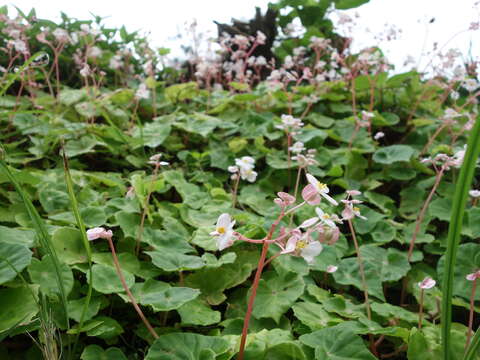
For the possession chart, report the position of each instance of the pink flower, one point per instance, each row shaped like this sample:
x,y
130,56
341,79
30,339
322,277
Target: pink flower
x,y
473,276
310,195
427,283
99,233
284,199
332,268
321,188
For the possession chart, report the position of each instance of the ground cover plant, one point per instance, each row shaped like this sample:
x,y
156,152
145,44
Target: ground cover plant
x,y
309,206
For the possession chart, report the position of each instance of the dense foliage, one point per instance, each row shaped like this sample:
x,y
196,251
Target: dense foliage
x,y
83,115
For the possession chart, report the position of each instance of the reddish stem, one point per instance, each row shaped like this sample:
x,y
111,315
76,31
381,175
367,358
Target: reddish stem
x,y
258,274
361,270
127,290
422,212
470,316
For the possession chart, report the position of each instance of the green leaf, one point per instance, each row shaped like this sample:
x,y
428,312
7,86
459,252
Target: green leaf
x,y
81,146
393,153
13,259
24,237
276,294
18,306
187,346
95,352
106,281
172,261
275,344
152,134
68,246
314,315
105,327
469,254
191,194
380,265
161,296
337,344
197,312
42,271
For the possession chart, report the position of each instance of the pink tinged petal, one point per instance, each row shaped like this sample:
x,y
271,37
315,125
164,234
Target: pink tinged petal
x,y
332,268
225,240
309,222
287,198
95,233
311,250
279,202
311,179
329,198
348,213
224,221
353,192
471,277
427,283
291,245
310,195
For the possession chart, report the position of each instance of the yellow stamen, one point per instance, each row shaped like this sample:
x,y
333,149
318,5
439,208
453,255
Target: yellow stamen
x,y
356,209
326,216
322,186
301,244
221,230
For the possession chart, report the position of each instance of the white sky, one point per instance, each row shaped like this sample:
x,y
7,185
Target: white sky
x,y
163,19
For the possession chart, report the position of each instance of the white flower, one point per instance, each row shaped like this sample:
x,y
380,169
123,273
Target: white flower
x,y
261,61
94,52
61,35
321,188
310,250
470,84
85,71
325,218
116,62
261,38
224,231
245,162
474,193
379,135
20,46
248,174
233,169
426,283
155,160
297,147
289,123
99,233
142,92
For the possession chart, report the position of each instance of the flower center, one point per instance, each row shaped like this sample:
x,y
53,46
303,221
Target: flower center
x,y
221,230
322,186
325,216
356,209
301,244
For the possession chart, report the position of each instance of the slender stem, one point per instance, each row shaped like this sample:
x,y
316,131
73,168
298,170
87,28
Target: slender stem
x,y
127,290
297,183
256,280
422,212
420,311
295,207
470,316
432,138
145,209
235,189
361,269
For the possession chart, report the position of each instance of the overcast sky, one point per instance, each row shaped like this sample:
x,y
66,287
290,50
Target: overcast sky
x,y
163,19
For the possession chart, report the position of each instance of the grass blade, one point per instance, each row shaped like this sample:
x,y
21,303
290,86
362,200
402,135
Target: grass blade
x,y
20,71
473,348
86,243
42,234
456,219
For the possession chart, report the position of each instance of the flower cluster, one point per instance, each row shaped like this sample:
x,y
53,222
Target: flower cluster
x,y
244,168
305,240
